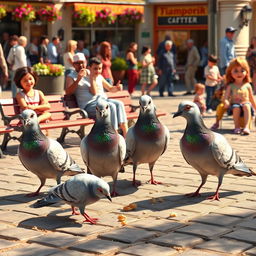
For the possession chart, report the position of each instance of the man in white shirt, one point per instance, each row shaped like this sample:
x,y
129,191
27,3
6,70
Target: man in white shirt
x,y
17,58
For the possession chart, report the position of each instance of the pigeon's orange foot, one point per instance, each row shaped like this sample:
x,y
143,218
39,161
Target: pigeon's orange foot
x,y
214,197
154,182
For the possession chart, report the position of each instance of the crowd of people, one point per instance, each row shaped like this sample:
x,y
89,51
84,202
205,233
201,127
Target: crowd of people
x,y
88,73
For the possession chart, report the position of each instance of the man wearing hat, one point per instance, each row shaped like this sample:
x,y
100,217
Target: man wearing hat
x,y
227,49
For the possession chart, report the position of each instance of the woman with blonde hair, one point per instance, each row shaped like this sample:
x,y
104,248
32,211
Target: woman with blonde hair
x,y
68,56
105,55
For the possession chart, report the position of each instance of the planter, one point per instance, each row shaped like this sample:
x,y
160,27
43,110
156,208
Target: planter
x,y
118,75
50,85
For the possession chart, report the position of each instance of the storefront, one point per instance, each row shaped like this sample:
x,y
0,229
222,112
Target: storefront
x,y
118,33
181,22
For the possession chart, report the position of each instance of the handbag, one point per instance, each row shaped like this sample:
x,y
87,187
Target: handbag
x,y
175,77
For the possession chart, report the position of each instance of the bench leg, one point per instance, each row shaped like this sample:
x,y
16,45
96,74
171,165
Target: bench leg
x,y
63,134
6,139
1,153
80,132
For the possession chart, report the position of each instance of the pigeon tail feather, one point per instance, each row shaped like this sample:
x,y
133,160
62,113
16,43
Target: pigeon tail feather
x,y
49,200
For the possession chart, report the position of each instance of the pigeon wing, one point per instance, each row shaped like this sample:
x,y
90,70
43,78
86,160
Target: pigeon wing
x,y
130,143
60,159
84,151
167,138
122,148
225,155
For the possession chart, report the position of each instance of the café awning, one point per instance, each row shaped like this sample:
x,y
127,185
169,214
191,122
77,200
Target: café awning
x,y
115,8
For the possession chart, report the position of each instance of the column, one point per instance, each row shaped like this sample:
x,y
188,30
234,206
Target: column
x,y
229,15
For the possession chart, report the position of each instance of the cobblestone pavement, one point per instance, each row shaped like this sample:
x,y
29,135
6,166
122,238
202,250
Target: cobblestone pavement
x,y
165,222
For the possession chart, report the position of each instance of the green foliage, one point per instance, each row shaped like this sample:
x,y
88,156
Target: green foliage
x,y
84,16
119,64
49,69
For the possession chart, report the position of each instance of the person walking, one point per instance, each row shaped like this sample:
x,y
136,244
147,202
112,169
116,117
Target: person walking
x,y
227,49
166,70
42,50
148,74
105,55
17,58
193,60
52,47
4,69
132,71
68,56
251,58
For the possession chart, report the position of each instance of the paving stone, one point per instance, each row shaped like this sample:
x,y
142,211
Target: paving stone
x,y
19,233
14,217
99,246
200,253
250,224
57,239
48,223
70,253
32,250
203,230
252,251
225,245
149,250
235,211
177,239
218,219
128,235
7,244
157,224
243,235
246,204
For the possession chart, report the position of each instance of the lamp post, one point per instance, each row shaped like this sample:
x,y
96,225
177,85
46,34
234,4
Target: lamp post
x,y
246,15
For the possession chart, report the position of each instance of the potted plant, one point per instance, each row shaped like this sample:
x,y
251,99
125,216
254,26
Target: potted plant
x,y
49,13
24,12
84,16
50,78
130,16
105,17
118,68
2,11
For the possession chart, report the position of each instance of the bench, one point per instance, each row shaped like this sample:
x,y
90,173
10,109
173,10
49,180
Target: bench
x,y
65,114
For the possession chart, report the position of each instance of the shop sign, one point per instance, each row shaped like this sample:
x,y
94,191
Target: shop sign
x,y
182,15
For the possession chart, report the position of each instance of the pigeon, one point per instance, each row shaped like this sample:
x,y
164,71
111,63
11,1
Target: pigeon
x,y
147,140
207,151
41,155
103,149
79,191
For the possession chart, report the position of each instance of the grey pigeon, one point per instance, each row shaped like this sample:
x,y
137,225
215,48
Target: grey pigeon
x,y
43,156
78,191
208,152
147,140
103,149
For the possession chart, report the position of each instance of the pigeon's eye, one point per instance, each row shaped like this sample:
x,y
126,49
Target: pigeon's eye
x,y
32,116
106,107
187,107
149,102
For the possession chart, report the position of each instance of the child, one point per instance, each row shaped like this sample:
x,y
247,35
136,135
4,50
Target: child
x,y
240,93
28,97
213,77
148,74
199,97
98,84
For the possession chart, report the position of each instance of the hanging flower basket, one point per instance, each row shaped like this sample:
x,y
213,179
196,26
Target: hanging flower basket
x,y
105,17
84,16
49,13
3,12
130,16
24,12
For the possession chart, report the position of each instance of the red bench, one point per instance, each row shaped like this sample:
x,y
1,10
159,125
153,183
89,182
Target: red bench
x,y
65,115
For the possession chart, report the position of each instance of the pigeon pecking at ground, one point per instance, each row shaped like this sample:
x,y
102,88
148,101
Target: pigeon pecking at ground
x,y
43,156
208,152
103,149
147,140
78,191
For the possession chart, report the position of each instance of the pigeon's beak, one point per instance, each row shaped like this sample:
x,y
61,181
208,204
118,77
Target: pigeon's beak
x,y
177,114
109,198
